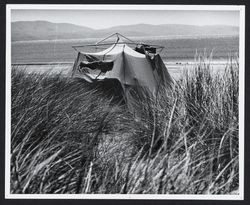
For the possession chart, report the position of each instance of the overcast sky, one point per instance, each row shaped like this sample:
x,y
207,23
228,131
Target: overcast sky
x,y
99,19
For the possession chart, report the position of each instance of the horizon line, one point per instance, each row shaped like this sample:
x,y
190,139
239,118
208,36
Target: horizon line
x,y
126,24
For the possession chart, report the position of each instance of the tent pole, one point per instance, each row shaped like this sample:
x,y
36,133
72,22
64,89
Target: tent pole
x,y
127,38
74,48
117,34
106,38
105,44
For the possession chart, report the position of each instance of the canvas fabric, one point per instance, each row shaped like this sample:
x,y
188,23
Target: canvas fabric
x,y
129,67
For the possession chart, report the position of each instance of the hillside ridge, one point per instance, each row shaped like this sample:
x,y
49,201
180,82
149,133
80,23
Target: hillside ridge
x,y
44,30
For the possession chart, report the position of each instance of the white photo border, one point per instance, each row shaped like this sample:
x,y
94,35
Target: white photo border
x,y
240,8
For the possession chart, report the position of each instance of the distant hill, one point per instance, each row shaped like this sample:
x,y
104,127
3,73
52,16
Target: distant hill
x,y
173,29
43,30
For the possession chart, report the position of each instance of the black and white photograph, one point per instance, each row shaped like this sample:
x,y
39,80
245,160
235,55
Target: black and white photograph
x,y
125,101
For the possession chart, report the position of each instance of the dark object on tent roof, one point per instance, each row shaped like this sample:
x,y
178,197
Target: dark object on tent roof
x,y
143,48
140,67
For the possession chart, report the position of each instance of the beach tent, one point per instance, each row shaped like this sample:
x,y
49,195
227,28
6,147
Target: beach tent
x,y
132,67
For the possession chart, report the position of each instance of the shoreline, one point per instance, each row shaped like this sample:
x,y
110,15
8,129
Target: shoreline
x,y
167,63
169,37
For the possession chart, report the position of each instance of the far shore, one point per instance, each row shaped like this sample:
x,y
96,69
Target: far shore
x,y
138,38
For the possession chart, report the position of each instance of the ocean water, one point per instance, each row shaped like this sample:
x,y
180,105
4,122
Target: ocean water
x,y
181,49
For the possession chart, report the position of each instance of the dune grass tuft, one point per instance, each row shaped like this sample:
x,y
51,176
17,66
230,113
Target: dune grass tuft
x,y
68,136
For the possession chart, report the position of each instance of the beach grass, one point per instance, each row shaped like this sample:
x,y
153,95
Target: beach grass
x,y
68,136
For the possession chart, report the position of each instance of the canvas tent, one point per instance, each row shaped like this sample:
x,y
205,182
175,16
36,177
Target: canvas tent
x,y
121,62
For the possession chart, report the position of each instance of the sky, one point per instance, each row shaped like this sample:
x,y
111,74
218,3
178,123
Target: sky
x,y
99,19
